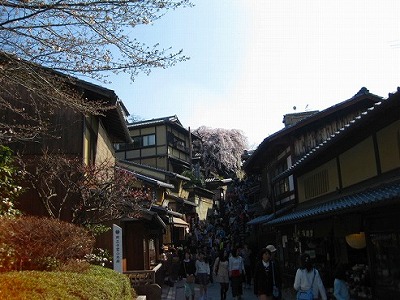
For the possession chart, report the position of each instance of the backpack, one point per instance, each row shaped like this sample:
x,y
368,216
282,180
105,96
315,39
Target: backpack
x,y
305,295
308,294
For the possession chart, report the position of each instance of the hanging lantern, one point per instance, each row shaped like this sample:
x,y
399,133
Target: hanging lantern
x,y
356,240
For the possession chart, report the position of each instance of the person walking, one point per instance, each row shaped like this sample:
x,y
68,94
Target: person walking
x,y
276,276
340,288
308,280
188,269
264,276
245,253
221,272
202,275
236,271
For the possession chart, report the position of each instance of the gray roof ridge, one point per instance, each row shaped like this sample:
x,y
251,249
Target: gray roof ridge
x,y
172,174
332,138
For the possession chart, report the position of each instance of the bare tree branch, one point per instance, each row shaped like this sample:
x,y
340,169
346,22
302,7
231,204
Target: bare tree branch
x,y
83,194
79,38
96,29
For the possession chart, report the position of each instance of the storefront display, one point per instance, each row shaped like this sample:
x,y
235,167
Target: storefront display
x,y
359,282
386,264
368,246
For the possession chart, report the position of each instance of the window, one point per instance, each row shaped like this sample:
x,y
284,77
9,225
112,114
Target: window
x,y
123,147
152,253
281,187
176,142
280,168
144,141
180,144
316,185
137,142
149,140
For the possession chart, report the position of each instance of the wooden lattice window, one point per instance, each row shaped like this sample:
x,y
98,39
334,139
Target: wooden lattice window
x,y
317,184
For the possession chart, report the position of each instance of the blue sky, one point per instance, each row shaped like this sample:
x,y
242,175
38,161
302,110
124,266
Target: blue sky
x,y
253,61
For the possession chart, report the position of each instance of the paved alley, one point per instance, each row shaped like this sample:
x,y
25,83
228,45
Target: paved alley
x,y
177,293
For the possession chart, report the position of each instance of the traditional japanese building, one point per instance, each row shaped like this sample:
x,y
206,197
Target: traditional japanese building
x,y
344,199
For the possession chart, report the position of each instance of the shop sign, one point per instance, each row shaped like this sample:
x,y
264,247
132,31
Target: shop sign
x,y
117,248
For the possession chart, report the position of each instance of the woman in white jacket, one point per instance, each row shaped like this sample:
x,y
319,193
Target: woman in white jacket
x,y
202,275
236,271
307,277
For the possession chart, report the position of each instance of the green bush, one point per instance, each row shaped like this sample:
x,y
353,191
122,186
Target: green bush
x,y
33,243
95,283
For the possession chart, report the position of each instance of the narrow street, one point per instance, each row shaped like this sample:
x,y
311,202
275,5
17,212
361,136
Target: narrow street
x,y
177,293
213,293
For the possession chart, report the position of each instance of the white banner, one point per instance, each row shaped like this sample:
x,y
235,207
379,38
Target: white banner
x,y
117,248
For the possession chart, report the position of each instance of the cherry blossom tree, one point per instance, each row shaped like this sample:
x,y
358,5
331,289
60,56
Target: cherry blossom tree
x,y
42,39
85,37
221,150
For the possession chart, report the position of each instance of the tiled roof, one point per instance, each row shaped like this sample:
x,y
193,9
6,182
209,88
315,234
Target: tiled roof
x,y
170,119
269,217
148,179
164,210
179,199
167,173
362,95
151,180
225,180
145,214
363,200
261,219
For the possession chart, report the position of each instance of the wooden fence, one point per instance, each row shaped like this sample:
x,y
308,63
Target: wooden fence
x,y
143,277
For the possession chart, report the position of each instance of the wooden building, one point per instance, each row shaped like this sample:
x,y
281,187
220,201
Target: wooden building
x,y
90,139
348,193
281,150
162,143
171,201
333,189
87,138
162,149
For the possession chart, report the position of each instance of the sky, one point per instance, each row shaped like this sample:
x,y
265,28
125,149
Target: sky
x,y
252,62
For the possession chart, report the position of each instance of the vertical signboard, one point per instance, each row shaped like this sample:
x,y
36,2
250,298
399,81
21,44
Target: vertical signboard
x,y
117,248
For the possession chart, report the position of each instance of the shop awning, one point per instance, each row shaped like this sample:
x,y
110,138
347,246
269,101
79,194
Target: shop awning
x,y
364,200
174,213
178,222
261,219
164,210
148,216
266,218
180,200
190,203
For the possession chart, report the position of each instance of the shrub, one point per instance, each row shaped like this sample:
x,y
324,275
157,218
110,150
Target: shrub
x,y
95,283
99,257
33,243
74,265
9,189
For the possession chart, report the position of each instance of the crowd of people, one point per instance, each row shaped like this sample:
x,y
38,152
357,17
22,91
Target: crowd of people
x,y
215,251
228,269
